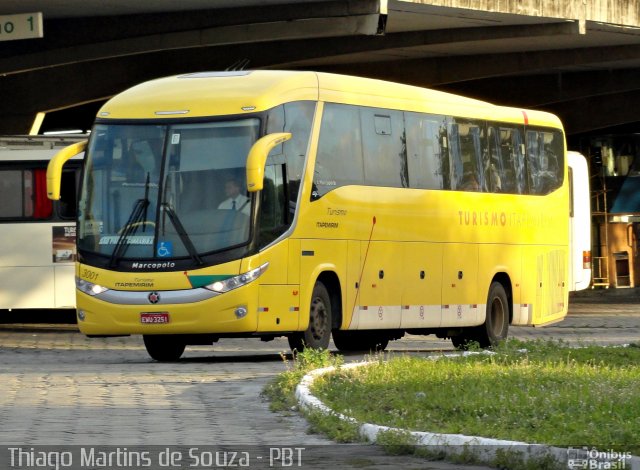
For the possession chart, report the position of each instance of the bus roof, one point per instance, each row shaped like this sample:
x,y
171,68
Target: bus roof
x,y
230,93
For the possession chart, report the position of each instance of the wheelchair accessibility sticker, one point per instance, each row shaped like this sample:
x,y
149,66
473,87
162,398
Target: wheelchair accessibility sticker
x,y
165,249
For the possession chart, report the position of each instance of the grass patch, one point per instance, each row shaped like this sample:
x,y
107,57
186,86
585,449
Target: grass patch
x,y
281,393
537,392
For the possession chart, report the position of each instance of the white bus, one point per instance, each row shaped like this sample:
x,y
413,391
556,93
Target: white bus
x,y
38,235
580,223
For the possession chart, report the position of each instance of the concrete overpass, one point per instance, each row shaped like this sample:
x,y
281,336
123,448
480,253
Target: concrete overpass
x,y
577,58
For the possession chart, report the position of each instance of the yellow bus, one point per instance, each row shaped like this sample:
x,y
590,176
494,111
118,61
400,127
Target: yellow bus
x,y
303,204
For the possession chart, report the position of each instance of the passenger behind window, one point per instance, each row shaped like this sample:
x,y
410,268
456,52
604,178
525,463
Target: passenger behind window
x,y
469,179
495,180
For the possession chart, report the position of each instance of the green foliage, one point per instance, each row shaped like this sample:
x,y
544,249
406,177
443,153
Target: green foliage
x,y
532,391
536,392
337,429
509,459
281,391
397,442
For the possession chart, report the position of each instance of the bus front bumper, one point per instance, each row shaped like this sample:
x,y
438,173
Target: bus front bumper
x,y
161,312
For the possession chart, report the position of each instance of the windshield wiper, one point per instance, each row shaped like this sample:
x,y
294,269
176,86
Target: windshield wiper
x,y
184,236
138,216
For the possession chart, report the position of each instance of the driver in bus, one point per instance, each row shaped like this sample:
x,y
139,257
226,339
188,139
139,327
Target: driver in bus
x,y
235,200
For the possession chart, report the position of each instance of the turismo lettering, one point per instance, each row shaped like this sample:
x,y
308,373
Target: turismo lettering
x,y
482,218
503,219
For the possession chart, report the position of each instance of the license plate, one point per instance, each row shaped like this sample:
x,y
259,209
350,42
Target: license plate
x,y
155,317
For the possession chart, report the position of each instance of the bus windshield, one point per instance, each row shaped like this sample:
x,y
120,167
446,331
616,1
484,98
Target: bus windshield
x,y
166,191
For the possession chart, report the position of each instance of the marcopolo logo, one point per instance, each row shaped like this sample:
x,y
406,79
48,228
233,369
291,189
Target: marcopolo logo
x,y
165,265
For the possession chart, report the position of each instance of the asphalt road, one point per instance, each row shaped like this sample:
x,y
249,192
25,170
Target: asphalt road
x,y
60,389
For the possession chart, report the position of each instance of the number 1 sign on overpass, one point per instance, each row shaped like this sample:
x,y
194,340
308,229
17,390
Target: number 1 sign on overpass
x,y
23,26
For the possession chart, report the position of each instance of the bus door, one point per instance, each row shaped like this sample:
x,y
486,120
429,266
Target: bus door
x,y
422,286
460,286
351,311
381,286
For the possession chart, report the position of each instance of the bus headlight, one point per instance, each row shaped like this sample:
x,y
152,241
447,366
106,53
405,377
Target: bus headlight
x,y
237,281
89,287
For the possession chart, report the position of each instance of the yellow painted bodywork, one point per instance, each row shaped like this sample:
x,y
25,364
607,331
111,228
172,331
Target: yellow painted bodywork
x,y
54,169
257,159
402,257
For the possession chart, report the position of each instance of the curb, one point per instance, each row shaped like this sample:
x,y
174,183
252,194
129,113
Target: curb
x,y
486,450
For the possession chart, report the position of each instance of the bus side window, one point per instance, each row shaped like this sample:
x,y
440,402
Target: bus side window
x,y
467,161
511,160
518,161
553,146
477,148
275,123
339,156
497,178
296,118
426,150
273,214
384,149
24,194
533,162
454,170
68,204
16,194
545,160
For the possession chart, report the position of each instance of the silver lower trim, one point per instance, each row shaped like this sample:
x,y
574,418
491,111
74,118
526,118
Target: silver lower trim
x,y
186,296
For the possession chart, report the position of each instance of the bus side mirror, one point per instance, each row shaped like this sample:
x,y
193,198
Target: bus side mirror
x,y
54,169
257,159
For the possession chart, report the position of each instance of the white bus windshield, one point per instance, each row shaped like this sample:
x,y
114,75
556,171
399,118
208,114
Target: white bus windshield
x,y
166,191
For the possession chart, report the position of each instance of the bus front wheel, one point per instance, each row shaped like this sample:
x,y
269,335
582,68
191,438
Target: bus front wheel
x,y
163,348
318,333
496,325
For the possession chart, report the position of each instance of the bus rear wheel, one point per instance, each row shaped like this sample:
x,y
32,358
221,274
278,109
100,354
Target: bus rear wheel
x,y
496,325
463,340
318,333
164,348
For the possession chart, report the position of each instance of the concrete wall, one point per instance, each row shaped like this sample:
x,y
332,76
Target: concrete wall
x,y
621,12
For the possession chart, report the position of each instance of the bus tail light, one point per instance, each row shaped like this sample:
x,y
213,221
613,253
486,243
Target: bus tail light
x,y
586,260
